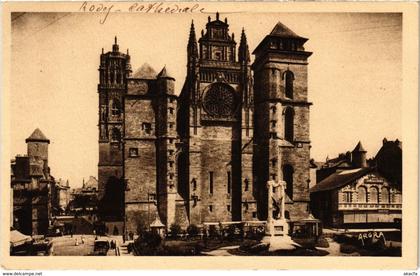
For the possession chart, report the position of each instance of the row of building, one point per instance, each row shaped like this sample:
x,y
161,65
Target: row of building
x,y
205,156
351,191
37,197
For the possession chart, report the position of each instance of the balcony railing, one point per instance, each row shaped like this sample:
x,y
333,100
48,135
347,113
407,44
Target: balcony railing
x,y
368,206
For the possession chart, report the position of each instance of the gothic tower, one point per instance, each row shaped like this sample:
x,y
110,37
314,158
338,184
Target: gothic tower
x,y
214,126
281,119
113,71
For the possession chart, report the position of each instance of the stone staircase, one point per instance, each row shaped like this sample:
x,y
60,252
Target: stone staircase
x,y
123,250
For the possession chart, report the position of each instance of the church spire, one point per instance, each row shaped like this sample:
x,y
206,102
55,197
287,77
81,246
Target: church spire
x,y
115,47
243,51
192,48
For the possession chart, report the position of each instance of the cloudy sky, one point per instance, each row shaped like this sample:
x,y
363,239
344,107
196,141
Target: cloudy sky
x,y
355,75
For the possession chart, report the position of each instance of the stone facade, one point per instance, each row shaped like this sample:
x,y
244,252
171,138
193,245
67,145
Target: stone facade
x,y
215,127
32,187
282,145
114,70
62,192
198,158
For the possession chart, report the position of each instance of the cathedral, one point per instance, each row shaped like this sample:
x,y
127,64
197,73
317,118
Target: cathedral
x,y
206,154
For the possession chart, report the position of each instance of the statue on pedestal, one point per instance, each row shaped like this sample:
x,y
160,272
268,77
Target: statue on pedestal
x,y
277,228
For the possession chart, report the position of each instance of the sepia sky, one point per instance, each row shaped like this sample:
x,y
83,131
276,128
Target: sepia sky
x,y
355,75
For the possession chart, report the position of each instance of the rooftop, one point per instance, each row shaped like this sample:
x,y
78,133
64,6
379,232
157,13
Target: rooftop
x,y
359,148
282,30
339,179
37,135
145,72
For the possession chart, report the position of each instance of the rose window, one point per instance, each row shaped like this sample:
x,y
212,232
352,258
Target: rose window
x,y
219,101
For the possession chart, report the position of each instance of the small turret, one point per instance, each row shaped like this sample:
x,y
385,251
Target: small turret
x,y
166,82
243,51
192,48
37,145
359,156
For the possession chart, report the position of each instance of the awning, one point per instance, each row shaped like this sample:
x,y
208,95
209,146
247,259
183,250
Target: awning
x,y
17,238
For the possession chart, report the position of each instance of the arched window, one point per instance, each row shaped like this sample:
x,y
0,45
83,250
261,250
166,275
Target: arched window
x,y
384,195
116,108
288,124
273,109
288,84
397,198
288,177
115,135
373,195
361,194
118,77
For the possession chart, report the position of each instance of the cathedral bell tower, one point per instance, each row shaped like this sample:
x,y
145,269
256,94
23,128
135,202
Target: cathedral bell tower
x,y
281,121
114,69
214,124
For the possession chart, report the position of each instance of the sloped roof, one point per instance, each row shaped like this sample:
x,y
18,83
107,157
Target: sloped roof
x,y
339,179
282,30
145,72
37,135
359,148
92,182
164,73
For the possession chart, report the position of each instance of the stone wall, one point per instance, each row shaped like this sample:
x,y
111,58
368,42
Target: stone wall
x,y
270,124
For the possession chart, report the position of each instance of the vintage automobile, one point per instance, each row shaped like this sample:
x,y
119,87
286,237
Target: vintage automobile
x,y
41,246
101,247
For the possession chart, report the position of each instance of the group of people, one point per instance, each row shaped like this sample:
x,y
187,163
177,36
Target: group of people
x,y
82,241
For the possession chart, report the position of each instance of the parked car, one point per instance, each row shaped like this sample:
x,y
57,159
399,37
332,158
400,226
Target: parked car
x,y
101,247
41,245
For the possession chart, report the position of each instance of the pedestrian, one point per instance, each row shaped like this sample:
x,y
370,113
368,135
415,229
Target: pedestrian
x,y
83,240
76,243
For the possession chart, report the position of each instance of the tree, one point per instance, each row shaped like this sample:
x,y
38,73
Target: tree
x,y
175,230
192,230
